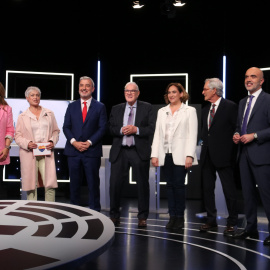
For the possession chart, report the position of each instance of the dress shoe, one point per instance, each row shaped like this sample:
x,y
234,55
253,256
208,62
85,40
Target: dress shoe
x,y
116,221
142,223
230,231
244,234
208,226
266,242
170,224
179,223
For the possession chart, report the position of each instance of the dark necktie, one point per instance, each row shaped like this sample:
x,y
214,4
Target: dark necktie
x,y
84,112
129,139
212,114
245,121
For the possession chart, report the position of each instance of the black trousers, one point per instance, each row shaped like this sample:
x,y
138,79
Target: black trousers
x,y
226,176
128,157
252,175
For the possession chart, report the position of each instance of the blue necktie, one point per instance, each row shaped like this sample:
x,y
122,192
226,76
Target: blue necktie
x,y
244,124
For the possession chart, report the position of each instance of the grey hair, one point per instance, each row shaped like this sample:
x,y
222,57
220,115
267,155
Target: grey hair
x,y
30,89
216,83
132,83
87,78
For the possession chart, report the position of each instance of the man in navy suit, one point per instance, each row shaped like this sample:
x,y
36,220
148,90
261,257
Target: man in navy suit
x,y
84,127
132,126
253,136
218,154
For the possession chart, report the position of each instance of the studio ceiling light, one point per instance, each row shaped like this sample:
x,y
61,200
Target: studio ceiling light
x,y
178,3
137,4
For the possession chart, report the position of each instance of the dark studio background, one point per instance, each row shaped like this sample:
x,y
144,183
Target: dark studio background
x,y
70,36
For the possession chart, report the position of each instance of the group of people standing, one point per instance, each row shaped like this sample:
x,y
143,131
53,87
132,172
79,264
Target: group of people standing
x,y
170,141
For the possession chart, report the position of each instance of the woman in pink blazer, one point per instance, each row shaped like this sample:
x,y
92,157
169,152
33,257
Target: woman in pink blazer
x,y
37,125
6,131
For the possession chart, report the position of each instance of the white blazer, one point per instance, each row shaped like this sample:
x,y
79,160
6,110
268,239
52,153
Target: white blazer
x,y
184,135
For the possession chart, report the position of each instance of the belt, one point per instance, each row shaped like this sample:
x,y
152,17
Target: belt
x,y
128,147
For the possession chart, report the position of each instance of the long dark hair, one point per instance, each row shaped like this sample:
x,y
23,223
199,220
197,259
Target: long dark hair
x,y
2,96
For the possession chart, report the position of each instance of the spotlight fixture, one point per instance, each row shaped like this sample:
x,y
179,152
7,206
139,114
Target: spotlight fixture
x,y
178,3
137,4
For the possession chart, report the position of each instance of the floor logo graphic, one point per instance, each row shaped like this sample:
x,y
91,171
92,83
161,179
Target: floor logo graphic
x,y
41,235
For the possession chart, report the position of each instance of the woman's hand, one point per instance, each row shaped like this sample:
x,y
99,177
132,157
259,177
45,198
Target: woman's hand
x,y
154,161
50,146
32,145
4,154
188,162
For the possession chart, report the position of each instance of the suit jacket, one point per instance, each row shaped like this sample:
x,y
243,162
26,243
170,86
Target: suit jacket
x,y
259,122
144,120
6,129
93,128
23,136
218,139
184,136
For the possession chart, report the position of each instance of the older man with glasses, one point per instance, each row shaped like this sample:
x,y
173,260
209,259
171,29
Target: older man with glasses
x,y
132,126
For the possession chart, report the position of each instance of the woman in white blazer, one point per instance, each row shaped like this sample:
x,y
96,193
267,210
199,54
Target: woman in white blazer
x,y
174,148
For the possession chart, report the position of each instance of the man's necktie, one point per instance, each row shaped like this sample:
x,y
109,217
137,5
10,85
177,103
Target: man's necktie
x,y
212,114
129,139
245,121
84,112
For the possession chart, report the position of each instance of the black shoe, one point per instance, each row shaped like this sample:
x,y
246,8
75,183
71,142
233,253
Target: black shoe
x,y
230,231
266,242
244,234
170,224
116,221
179,223
208,226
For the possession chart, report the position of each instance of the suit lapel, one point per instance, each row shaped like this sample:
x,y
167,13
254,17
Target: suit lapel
x,y
90,110
1,112
218,113
257,104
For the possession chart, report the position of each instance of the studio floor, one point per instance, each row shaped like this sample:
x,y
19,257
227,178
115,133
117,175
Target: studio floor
x,y
188,249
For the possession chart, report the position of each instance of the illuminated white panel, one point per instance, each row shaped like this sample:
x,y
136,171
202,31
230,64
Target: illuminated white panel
x,y
41,73
132,76
224,76
98,81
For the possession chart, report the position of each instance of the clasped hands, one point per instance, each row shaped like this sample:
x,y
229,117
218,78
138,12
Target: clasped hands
x,y
81,146
129,129
32,145
246,138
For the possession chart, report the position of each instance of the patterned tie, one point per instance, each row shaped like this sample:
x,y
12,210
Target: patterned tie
x,y
129,139
212,114
84,112
244,124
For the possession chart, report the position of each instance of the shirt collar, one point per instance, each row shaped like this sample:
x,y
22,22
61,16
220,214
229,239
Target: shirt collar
x,y
133,106
256,94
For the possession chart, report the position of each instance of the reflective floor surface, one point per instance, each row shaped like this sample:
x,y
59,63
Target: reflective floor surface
x,y
188,249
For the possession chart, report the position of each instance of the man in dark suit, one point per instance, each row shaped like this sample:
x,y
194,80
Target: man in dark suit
x,y
218,154
132,126
84,127
253,135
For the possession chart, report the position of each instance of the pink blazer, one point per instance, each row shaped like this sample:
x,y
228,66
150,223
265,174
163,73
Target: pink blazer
x,y
6,128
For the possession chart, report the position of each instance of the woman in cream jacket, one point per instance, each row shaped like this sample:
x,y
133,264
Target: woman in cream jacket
x,y
37,125
174,148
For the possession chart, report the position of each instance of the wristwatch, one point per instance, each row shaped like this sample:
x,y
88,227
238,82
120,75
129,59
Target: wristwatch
x,y
255,136
8,147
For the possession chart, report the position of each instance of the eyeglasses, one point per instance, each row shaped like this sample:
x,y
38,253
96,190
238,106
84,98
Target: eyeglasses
x,y
130,91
